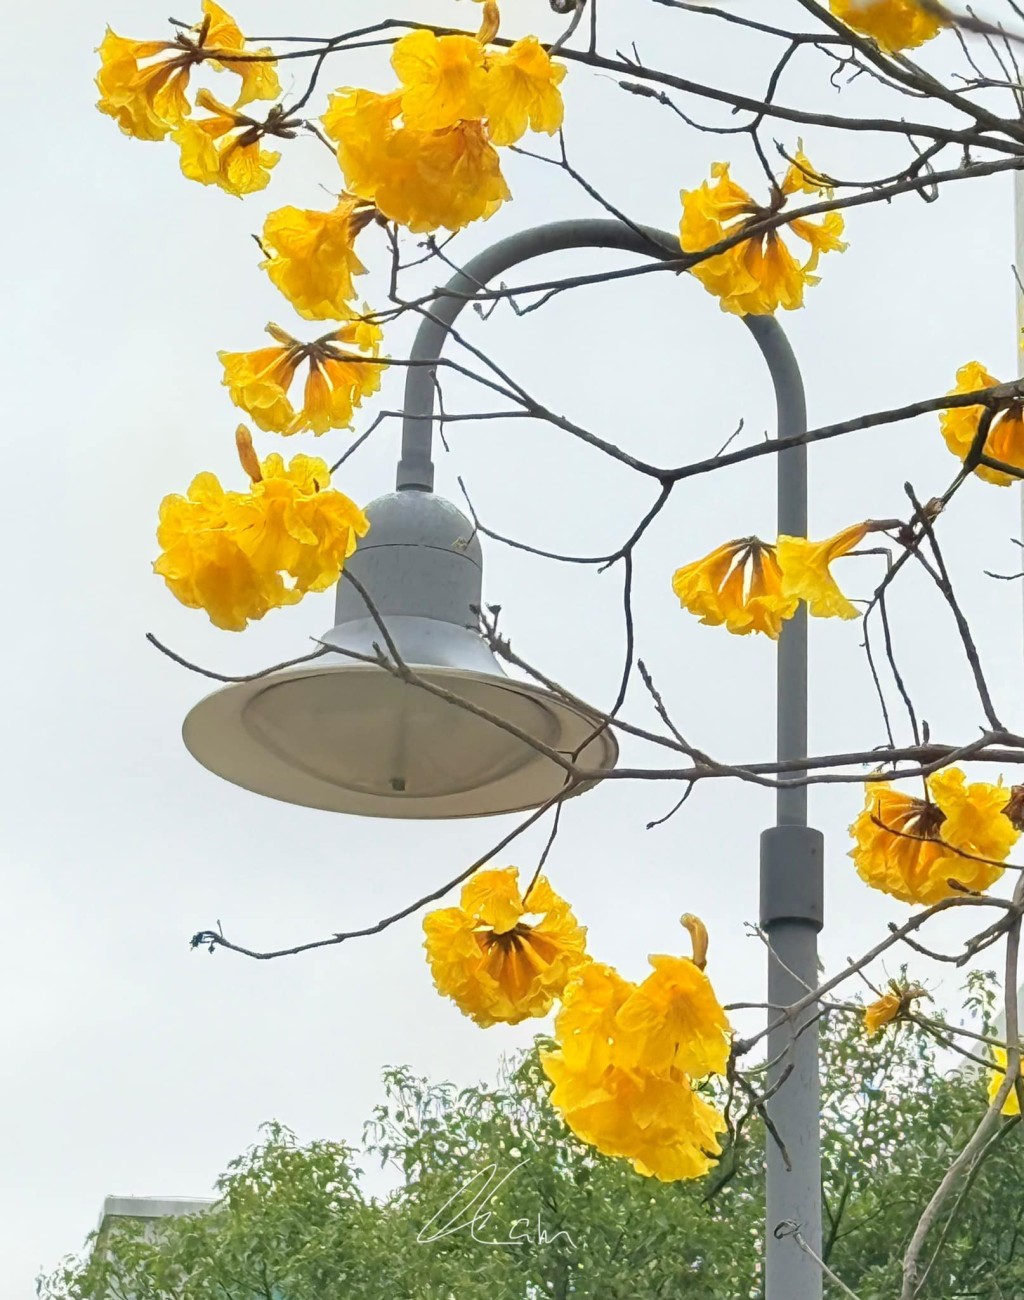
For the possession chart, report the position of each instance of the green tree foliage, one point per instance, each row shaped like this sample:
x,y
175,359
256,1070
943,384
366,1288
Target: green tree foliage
x,y
498,1200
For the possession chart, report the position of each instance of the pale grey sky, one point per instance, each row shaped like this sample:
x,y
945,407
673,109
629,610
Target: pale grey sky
x,y
135,1066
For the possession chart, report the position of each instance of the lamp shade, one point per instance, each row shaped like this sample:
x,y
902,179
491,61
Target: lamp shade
x,y
352,737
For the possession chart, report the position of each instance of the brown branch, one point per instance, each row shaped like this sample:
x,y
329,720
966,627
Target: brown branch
x,y
731,99
992,397
896,934
212,939
972,1150
931,757
238,677
997,1137
945,586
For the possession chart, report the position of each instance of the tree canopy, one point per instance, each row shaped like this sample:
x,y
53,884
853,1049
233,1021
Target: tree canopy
x,y
497,1198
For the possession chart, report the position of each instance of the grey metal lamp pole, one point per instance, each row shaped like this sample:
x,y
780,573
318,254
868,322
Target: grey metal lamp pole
x,y
791,853
346,736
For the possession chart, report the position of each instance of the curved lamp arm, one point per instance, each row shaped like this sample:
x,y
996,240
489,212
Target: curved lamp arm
x,y
416,468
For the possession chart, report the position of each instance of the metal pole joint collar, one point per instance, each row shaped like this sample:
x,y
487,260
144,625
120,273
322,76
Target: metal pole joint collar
x,y
792,876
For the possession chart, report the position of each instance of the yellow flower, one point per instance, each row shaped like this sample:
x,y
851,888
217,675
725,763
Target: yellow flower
x,y
806,575
1011,1106
586,1029
224,37
229,552
890,1006
362,125
290,522
673,1020
521,92
312,259
881,1012
894,24
740,585
499,957
336,384
148,100
443,78
224,150
661,1125
422,179
907,847
202,563
1005,440
443,179
975,814
760,274
652,1117
259,382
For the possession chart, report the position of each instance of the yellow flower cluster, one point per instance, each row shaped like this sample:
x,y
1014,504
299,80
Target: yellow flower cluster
x,y
425,153
921,850
758,275
336,382
627,1054
894,24
1005,438
230,552
143,86
752,586
501,958
625,1063
891,1005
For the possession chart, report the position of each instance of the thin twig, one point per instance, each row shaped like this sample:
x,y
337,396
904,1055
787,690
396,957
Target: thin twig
x,y
213,939
979,1139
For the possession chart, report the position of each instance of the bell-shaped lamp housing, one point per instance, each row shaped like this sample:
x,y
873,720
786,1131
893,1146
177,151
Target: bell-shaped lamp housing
x,y
352,737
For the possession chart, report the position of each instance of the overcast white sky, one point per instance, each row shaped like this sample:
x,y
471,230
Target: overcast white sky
x,y
135,1066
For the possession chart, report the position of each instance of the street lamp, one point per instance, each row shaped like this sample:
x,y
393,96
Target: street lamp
x,y
352,737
